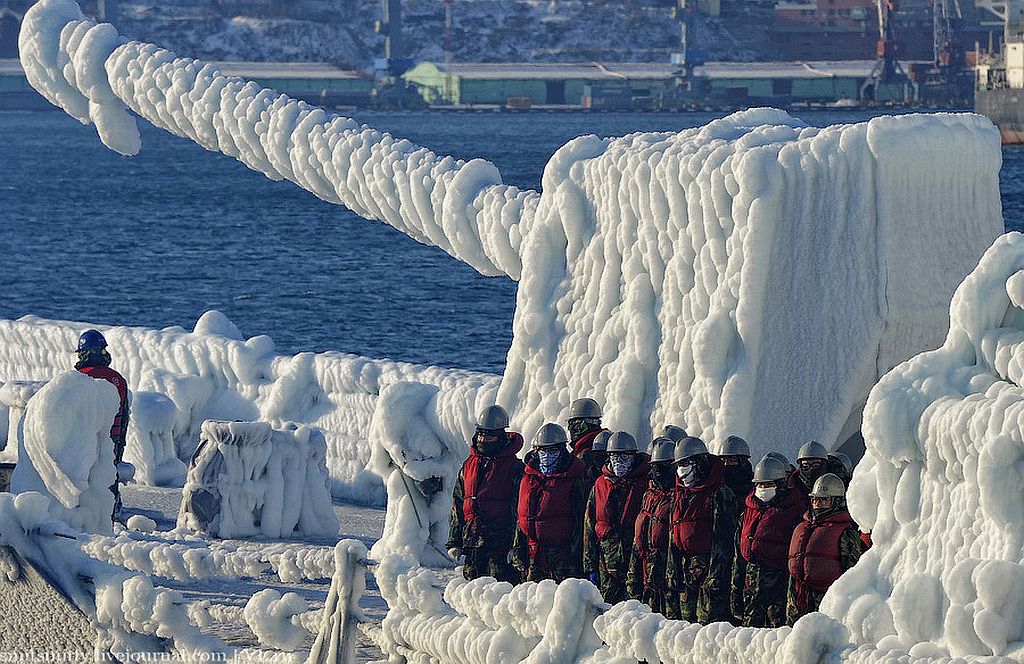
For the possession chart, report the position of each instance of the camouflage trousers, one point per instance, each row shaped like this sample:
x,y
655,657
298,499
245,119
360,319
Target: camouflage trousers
x,y
764,596
485,562
801,601
661,600
702,584
557,564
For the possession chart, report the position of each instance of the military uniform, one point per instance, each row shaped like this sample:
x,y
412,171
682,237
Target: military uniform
x,y
822,548
764,539
483,517
612,510
647,565
549,538
739,479
701,547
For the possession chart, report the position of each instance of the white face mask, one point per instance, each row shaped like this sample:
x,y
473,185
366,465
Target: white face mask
x,y
620,464
687,474
548,460
766,494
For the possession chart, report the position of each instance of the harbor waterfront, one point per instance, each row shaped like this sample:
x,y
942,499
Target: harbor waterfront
x,y
196,231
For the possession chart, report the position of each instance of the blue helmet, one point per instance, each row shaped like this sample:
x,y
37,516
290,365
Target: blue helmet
x,y
91,340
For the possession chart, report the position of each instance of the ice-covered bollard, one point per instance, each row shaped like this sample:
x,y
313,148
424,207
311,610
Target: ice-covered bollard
x,y
15,395
150,442
335,643
249,479
66,453
419,464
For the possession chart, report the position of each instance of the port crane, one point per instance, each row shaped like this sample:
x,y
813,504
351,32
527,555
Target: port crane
x,y
887,72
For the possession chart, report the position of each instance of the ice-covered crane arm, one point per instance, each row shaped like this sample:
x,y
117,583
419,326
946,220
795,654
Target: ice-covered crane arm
x,y
96,76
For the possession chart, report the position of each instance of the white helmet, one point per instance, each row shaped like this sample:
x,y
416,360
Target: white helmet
x,y
672,432
845,460
662,449
812,450
551,435
735,446
828,486
621,442
770,469
584,409
492,418
690,447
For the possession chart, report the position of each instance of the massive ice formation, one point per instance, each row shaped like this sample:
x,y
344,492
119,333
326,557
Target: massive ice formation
x,y
65,452
942,484
753,276
941,488
248,479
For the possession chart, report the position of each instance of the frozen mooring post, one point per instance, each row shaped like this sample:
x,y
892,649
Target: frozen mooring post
x,y
336,641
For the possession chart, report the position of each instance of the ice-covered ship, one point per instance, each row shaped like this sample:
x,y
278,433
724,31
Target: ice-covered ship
x,y
999,83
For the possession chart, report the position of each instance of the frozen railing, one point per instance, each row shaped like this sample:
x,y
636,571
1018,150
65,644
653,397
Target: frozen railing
x,y
484,620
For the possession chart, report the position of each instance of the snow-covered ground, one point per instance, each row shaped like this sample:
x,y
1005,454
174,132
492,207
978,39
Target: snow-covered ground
x,y
235,570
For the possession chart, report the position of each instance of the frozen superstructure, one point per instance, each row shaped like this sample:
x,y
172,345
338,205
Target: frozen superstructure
x,y
939,488
754,276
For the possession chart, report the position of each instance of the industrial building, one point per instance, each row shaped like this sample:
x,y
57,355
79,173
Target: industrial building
x,y
322,84
634,85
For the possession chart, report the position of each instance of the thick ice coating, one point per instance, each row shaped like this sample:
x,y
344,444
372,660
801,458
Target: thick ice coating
x,y
940,489
66,453
722,277
942,485
248,479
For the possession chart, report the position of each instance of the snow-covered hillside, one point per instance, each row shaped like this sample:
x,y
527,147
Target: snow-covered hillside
x,y
483,30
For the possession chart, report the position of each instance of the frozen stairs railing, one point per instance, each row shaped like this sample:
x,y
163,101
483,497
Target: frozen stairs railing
x,y
336,641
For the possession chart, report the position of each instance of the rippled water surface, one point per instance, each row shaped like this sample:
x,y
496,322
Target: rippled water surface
x,y
157,239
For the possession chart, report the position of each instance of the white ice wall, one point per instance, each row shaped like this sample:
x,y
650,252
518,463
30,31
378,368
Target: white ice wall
x,y
211,376
754,276
941,489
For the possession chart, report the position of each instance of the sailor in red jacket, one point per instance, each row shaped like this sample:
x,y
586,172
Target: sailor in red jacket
x,y
824,545
612,510
646,578
483,518
549,537
771,514
584,423
703,535
94,361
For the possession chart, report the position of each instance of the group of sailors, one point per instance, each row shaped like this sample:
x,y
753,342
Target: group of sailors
x,y
697,536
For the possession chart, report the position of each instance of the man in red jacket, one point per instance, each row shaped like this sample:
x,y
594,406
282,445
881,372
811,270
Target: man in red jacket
x,y
611,515
824,545
584,423
703,535
772,513
94,361
646,578
483,518
549,537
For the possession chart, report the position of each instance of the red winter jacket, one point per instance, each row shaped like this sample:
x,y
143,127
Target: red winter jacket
x,y
768,529
814,557
489,484
652,524
100,372
584,443
545,510
693,512
628,492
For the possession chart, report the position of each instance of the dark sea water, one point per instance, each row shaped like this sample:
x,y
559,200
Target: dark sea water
x,y
158,239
